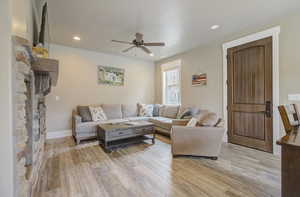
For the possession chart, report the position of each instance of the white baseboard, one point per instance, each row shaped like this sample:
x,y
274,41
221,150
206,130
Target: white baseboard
x,y
59,134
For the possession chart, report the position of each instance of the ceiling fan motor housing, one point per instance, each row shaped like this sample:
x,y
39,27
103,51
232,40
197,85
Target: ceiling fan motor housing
x,y
139,43
136,43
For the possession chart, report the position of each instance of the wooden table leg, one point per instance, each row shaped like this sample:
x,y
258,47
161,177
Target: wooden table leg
x,y
153,139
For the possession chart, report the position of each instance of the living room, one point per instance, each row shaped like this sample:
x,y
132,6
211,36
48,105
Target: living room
x,y
140,98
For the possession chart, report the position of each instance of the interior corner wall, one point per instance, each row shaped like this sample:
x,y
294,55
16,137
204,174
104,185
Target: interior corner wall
x,y
208,59
78,84
200,60
6,139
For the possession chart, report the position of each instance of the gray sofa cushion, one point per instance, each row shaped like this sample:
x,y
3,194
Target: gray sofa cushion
x,y
161,110
129,111
162,122
85,113
170,111
91,127
195,111
112,111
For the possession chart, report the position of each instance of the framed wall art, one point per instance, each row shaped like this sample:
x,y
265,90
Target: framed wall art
x,y
199,79
111,76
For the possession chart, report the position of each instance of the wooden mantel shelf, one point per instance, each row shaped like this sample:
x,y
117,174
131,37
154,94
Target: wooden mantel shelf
x,y
47,65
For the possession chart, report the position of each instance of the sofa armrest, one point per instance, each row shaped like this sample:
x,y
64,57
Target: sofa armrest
x,y
76,119
202,141
180,122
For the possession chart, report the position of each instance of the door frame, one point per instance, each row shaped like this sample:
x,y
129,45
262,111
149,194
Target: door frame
x,y
274,33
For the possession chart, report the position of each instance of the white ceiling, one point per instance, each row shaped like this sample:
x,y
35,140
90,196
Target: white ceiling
x,y
181,24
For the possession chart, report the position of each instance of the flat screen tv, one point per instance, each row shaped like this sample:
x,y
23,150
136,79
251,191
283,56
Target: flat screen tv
x,y
39,33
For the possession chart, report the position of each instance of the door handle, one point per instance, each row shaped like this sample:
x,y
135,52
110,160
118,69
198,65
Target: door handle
x,y
268,109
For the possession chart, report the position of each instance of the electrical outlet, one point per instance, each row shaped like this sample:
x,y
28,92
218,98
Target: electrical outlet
x,y
57,98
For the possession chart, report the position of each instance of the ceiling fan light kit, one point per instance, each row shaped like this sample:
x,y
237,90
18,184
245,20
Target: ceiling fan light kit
x,y
138,42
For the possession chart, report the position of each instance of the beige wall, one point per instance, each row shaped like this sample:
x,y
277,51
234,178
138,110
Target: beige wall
x,y
77,84
289,58
22,22
208,59
6,139
201,60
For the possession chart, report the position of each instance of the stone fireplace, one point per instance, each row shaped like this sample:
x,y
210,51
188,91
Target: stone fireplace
x,y
31,83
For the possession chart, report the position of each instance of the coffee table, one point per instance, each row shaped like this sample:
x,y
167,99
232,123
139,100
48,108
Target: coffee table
x,y
115,135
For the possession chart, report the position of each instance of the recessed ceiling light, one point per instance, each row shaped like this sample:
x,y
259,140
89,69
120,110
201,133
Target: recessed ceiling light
x,y
214,27
76,38
151,54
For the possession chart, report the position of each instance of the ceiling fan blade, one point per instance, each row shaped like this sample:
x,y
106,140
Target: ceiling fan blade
x,y
139,37
123,42
159,44
145,49
126,50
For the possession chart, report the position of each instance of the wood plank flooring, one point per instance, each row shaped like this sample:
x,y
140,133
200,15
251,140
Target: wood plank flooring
x,y
149,170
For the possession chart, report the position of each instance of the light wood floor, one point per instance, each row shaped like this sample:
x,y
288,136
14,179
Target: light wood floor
x,y
149,170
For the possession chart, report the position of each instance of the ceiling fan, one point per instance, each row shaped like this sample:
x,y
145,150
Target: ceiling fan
x,y
138,42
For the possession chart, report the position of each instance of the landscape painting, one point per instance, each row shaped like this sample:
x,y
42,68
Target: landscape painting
x,y
111,76
199,79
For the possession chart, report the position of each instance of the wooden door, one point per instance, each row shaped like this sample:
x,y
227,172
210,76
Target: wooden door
x,y
250,95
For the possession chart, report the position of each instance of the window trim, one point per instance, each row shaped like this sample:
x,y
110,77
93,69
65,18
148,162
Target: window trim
x,y
167,67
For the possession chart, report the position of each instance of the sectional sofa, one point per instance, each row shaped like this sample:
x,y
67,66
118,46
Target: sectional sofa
x,y
117,113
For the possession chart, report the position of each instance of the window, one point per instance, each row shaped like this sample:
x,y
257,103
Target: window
x,y
171,84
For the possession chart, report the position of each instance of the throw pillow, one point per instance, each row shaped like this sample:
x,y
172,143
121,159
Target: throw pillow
x,y
145,110
97,113
192,122
220,123
156,108
85,113
184,113
209,120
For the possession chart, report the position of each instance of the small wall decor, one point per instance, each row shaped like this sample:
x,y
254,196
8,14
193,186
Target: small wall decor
x,y
111,76
199,79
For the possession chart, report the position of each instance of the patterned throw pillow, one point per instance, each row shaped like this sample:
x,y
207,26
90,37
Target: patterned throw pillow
x,y
145,110
97,113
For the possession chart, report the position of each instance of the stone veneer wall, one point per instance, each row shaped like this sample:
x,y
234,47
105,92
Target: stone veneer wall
x,y
26,176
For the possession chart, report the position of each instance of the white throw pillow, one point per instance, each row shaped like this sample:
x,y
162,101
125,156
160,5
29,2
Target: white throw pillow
x,y
209,120
192,123
146,110
97,113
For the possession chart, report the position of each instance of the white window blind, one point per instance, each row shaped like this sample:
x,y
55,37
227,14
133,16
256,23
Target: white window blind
x,y
171,83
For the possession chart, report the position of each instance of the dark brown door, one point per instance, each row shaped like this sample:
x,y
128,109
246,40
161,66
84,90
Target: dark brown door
x,y
250,95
